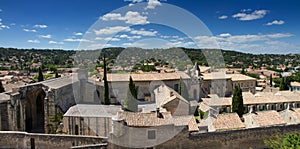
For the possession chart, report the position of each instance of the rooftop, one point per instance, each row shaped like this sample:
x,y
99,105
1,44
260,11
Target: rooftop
x,y
147,76
228,121
295,83
240,77
4,97
215,76
85,110
267,118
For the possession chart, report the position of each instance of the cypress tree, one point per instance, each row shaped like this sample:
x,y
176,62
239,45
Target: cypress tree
x,y
1,87
40,75
237,101
106,89
271,80
131,103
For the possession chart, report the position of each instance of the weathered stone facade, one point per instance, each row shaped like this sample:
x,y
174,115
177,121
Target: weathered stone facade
x,y
36,107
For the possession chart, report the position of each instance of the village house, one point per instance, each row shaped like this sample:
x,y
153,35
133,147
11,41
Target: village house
x,y
259,102
291,116
87,119
146,83
295,86
263,119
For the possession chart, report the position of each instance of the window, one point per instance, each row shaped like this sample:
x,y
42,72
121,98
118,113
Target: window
x,y
151,134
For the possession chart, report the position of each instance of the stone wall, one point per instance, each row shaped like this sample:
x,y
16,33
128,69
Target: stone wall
x,y
235,139
13,139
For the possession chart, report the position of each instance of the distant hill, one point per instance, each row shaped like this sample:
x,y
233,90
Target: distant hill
x,y
11,58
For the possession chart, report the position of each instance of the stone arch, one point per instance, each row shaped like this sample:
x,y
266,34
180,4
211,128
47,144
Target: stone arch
x,y
35,111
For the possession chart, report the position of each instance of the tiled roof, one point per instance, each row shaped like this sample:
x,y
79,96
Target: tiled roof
x,y
267,118
295,83
240,77
147,76
144,119
270,97
151,120
228,121
85,110
215,75
215,100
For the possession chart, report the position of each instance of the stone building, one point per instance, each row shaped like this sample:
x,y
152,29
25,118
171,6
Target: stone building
x,y
36,107
92,120
146,83
246,83
263,119
258,102
216,83
291,116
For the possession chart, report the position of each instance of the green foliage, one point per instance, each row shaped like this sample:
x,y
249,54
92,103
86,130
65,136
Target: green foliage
x,y
1,87
40,75
131,103
148,68
106,88
284,84
203,114
286,141
237,101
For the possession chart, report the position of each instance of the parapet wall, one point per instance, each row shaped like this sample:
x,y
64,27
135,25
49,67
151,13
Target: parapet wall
x,y
14,139
235,139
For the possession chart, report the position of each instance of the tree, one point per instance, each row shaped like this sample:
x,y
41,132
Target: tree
x,y
56,74
183,89
106,89
237,101
271,81
284,141
283,84
1,87
131,103
40,75
243,71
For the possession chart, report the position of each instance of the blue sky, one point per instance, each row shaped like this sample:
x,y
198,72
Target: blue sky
x,y
252,26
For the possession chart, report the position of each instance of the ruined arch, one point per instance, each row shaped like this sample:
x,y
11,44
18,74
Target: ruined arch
x,y
35,111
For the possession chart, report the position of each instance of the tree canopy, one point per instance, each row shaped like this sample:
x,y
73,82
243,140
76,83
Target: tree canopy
x,y
237,101
40,75
106,88
131,102
286,141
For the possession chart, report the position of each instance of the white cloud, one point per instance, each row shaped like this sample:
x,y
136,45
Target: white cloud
x,y
33,41
276,22
240,42
40,26
107,39
76,40
180,44
28,30
225,35
129,37
152,4
131,17
46,36
1,10
136,44
143,32
55,42
112,30
223,17
78,34
244,16
2,26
